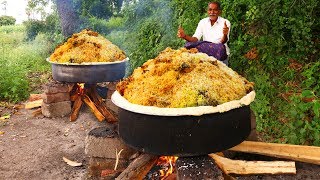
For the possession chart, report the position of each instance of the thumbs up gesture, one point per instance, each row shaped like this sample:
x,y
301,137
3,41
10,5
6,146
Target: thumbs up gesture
x,y
181,33
225,28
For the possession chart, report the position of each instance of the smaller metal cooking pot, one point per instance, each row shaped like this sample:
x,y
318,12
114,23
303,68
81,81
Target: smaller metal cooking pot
x,y
94,72
190,131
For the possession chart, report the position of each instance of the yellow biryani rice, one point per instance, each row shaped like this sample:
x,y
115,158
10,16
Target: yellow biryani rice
x,y
183,78
87,46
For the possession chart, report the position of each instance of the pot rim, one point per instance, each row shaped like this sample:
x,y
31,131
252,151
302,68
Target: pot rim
x,y
123,103
89,63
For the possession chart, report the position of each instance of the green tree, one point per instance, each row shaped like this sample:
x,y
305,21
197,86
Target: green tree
x,y
7,20
36,7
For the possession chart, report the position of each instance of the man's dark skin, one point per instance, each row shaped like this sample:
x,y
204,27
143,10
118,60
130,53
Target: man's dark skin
x,y
213,11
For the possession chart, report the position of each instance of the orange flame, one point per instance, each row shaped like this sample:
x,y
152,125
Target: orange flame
x,y
80,88
167,160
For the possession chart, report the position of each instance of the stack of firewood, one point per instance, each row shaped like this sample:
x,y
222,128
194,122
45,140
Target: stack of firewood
x,y
92,99
228,167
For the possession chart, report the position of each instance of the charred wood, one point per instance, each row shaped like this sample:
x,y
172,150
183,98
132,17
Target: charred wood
x,y
139,167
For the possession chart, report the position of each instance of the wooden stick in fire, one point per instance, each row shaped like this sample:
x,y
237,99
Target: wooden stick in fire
x,y
139,168
76,108
97,100
93,107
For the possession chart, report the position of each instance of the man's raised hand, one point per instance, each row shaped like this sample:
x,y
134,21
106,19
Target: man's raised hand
x,y
181,33
225,28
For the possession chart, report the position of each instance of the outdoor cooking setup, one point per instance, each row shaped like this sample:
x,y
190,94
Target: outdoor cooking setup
x,y
189,137
185,136
85,76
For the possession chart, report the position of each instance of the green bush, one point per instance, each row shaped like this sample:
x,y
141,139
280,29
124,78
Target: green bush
x,y
115,23
23,65
7,20
33,28
285,35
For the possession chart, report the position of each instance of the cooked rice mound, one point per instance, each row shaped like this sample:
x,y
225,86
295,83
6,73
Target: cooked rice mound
x,y
87,46
183,78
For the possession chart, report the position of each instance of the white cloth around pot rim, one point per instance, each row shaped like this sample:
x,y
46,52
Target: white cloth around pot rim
x,y
123,103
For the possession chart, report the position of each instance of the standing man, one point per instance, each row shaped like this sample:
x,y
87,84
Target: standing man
x,y
214,30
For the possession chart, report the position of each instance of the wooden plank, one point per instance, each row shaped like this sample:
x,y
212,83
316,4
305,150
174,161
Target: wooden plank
x,y
33,104
139,167
308,154
240,167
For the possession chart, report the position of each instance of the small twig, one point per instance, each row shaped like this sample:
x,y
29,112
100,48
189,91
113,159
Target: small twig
x,y
117,158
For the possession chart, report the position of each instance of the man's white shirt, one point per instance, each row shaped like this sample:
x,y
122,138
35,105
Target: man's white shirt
x,y
212,33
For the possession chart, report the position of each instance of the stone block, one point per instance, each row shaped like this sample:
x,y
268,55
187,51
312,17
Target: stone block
x,y
57,87
57,97
103,142
59,109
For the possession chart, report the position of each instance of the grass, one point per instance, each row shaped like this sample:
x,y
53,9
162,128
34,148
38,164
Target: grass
x,y
23,65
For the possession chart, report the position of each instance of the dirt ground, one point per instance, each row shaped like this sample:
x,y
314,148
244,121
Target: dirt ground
x,y
33,148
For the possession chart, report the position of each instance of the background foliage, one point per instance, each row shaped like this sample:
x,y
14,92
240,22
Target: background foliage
x,y
7,20
273,43
23,65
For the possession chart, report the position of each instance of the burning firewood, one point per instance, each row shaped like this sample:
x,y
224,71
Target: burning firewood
x,y
89,96
76,108
93,107
139,167
99,104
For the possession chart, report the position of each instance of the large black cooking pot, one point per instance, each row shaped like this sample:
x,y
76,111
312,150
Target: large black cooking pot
x,y
181,134
94,72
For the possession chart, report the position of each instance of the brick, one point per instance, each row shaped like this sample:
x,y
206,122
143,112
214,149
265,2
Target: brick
x,y
96,165
59,109
57,87
103,142
57,97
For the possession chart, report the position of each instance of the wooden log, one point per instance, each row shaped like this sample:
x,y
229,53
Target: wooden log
x,y
308,154
229,166
100,106
139,167
33,104
76,109
73,96
34,97
93,107
36,112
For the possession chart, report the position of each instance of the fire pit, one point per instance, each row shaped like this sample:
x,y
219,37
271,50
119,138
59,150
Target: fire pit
x,y
89,73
